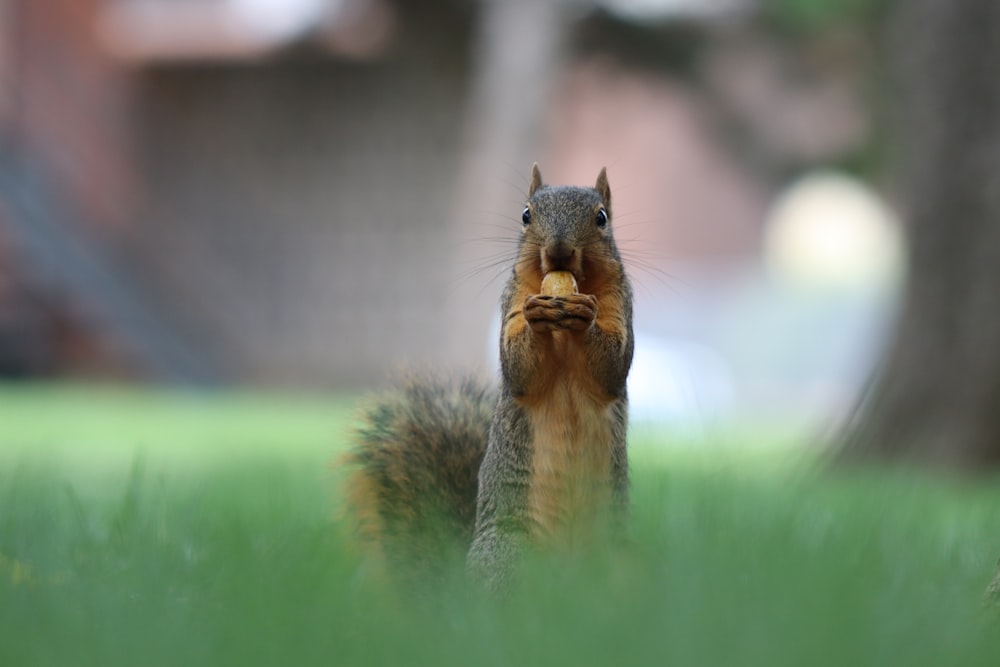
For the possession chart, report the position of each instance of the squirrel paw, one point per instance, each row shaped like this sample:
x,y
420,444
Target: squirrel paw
x,y
575,312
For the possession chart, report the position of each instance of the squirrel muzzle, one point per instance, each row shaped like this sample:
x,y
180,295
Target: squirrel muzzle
x,y
560,255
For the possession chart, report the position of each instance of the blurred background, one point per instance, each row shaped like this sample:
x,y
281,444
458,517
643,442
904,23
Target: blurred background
x,y
314,194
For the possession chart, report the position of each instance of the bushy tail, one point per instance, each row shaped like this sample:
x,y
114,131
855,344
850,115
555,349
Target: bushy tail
x,y
412,488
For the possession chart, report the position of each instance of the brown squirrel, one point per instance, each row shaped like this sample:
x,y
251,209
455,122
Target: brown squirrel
x,y
542,461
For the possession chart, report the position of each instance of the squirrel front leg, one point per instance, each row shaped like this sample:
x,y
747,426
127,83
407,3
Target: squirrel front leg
x,y
572,312
609,355
527,337
520,354
607,340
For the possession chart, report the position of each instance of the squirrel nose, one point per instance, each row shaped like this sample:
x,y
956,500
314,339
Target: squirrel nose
x,y
559,254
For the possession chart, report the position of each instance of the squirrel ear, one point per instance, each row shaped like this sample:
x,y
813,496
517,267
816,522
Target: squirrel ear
x,y
602,186
536,179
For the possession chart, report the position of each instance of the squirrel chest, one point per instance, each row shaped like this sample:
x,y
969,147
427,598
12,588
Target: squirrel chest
x,y
571,426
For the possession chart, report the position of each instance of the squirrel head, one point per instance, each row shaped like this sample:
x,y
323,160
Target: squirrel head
x,y
568,228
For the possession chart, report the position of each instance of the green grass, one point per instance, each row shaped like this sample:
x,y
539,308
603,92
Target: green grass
x,y
143,528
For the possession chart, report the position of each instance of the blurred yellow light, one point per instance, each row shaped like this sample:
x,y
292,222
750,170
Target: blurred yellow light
x,y
830,231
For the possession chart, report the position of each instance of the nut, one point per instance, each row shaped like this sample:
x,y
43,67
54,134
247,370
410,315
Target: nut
x,y
559,283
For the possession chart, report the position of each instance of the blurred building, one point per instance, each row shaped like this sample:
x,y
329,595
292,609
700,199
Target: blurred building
x,y
212,190
293,191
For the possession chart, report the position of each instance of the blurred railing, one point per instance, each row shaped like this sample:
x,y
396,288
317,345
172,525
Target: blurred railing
x,y
64,259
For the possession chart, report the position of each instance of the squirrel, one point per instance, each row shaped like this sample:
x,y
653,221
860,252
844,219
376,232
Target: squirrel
x,y
462,469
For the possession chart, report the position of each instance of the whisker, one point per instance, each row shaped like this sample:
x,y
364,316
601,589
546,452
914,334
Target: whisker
x,y
522,191
499,267
494,270
520,174
507,214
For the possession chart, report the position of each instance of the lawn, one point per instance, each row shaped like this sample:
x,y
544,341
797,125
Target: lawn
x,y
153,528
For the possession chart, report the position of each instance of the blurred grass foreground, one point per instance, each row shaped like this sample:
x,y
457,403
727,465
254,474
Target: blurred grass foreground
x,y
126,539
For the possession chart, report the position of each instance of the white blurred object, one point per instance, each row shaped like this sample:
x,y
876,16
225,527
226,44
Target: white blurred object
x,y
653,10
141,31
282,19
683,383
830,231
678,382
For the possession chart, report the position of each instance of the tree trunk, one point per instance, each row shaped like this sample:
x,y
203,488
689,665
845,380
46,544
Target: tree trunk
x,y
519,49
936,399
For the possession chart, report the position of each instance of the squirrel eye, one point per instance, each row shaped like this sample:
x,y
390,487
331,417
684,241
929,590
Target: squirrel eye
x,y
526,216
602,218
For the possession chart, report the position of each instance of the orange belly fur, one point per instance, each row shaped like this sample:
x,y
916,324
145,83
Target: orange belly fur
x,y
569,496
